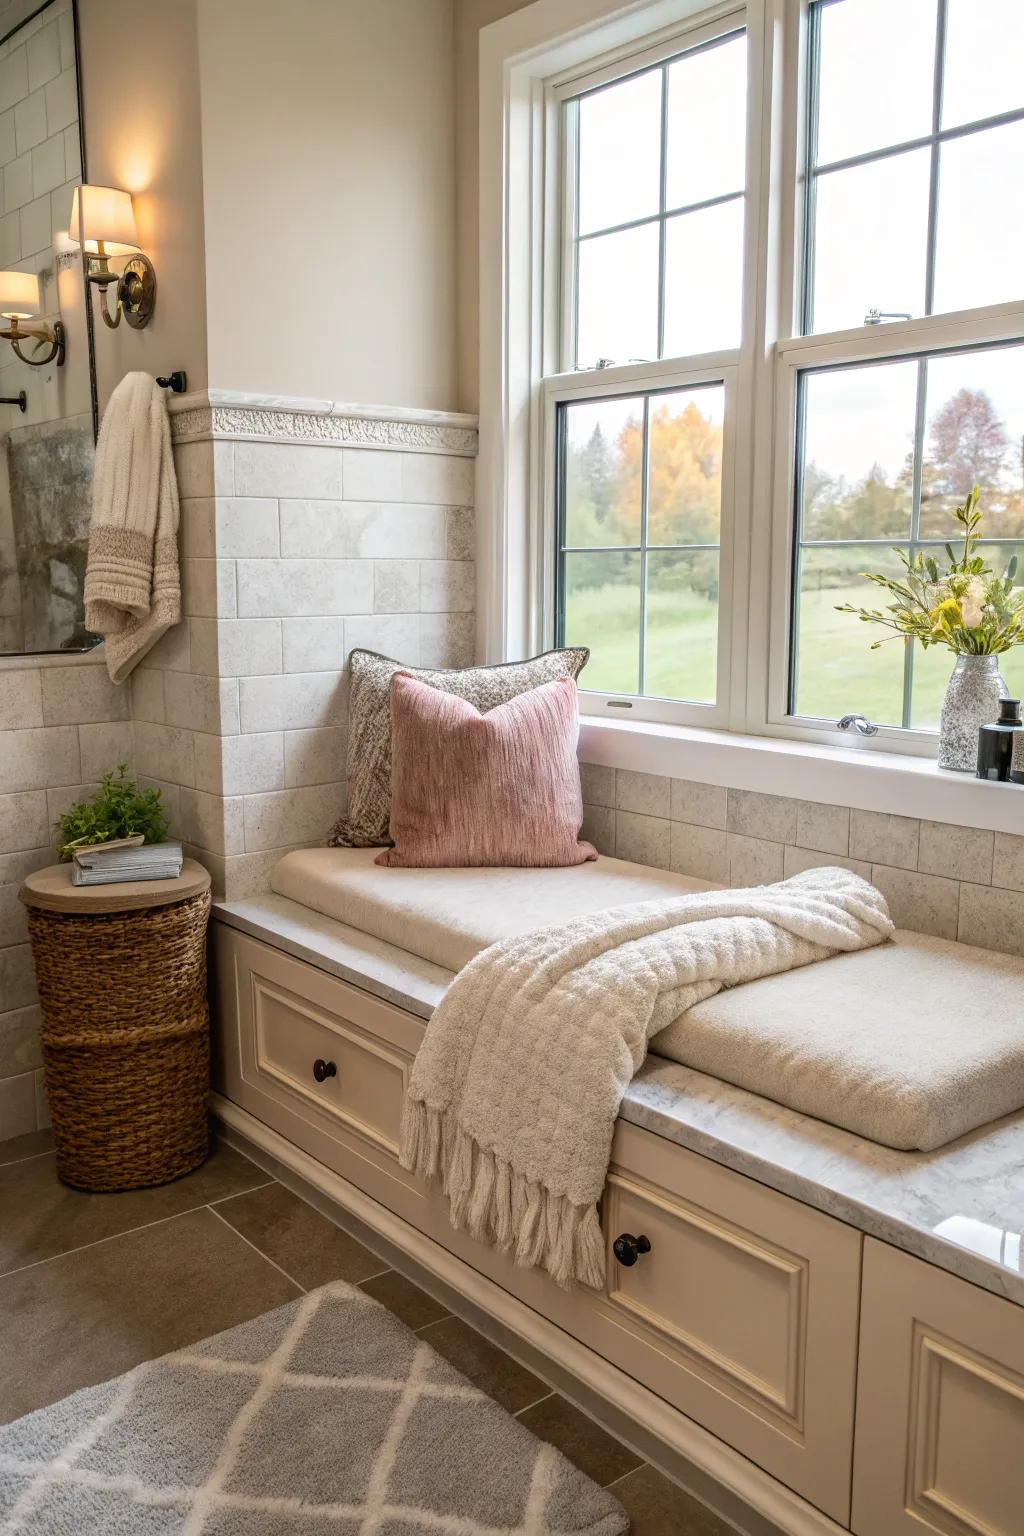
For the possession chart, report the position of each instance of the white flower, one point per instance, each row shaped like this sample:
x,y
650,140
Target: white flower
x,y
973,602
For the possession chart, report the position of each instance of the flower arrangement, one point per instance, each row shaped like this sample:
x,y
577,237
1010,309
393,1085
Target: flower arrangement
x,y
968,607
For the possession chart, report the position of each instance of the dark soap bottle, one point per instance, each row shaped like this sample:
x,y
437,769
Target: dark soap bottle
x,y
996,742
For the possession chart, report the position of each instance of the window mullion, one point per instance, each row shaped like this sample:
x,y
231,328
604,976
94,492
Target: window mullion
x,y
810,177
645,482
933,174
662,198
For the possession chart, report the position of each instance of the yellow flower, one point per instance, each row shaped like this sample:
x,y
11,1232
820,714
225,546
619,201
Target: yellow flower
x,y
944,617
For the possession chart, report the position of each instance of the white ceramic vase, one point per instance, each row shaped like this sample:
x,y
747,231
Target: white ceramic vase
x,y
971,701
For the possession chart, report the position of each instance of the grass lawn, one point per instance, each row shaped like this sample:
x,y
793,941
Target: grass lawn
x,y
838,670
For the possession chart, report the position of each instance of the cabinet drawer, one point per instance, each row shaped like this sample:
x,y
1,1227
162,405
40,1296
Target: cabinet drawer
x,y
743,1313
329,1059
278,1017
940,1404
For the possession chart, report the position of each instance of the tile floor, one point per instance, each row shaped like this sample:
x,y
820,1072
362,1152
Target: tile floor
x,y
92,1284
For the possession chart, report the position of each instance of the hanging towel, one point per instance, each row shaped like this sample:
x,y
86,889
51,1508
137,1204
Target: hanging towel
x,y
515,1090
132,587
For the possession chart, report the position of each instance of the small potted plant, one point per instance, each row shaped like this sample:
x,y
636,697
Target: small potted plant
x,y
970,609
120,809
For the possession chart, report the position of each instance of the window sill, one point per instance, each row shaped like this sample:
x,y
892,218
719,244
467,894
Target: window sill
x,y
868,781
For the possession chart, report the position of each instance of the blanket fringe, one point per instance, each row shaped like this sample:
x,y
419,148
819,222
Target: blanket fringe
x,y
494,1203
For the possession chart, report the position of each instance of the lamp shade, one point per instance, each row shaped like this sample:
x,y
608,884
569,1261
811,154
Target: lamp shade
x,y
103,215
19,295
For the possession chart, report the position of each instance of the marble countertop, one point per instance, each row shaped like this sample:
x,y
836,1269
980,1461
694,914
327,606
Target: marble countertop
x,y
960,1207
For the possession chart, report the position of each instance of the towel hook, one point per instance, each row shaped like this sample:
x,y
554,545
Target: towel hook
x,y
177,381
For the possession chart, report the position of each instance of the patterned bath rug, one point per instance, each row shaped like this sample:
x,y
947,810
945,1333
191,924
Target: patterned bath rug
x,y
326,1417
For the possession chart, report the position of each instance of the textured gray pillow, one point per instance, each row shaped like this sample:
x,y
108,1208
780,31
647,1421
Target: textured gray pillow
x,y
365,825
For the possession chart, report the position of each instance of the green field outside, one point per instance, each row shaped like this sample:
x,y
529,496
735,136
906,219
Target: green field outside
x,y
838,670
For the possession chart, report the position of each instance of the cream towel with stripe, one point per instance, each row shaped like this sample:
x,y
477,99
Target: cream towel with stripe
x,y
515,1091
132,585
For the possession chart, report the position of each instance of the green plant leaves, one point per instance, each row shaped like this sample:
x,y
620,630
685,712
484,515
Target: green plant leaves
x,y
119,809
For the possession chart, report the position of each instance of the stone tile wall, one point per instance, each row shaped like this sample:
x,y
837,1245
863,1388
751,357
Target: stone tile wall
x,y
953,882
61,727
304,533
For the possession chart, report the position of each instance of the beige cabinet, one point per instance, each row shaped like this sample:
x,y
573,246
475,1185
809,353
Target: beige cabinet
x,y
742,1313
322,1062
940,1404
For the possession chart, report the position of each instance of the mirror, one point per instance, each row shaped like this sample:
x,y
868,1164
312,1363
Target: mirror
x,y
47,413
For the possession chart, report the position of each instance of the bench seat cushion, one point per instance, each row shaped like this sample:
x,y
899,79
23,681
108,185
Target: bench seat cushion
x,y
911,1043
449,915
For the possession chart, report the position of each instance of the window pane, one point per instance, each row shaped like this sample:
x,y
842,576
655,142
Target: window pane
x,y
603,472
980,233
602,610
704,280
858,438
974,435
870,240
620,153
682,625
618,296
876,75
837,671
984,59
707,121
932,668
684,496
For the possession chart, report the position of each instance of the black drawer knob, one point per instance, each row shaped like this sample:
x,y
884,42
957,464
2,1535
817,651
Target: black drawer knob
x,y
322,1070
627,1248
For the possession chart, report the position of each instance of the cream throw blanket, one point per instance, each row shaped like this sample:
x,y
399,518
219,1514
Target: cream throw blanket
x,y
516,1088
132,589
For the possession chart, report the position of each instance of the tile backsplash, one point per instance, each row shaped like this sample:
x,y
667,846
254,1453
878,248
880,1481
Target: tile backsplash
x,y
953,882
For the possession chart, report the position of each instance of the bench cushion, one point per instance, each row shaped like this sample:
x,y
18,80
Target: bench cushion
x,y
449,915
912,1043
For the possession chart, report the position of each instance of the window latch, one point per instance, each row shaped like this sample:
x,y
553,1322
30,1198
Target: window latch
x,y
876,316
860,723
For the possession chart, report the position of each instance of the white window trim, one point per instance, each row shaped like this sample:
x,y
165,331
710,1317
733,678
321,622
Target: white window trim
x,y
520,56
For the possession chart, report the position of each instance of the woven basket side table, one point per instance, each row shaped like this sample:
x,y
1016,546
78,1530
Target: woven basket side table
x,y
121,972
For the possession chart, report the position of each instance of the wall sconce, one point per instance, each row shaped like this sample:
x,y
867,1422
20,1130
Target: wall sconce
x,y
19,300
103,224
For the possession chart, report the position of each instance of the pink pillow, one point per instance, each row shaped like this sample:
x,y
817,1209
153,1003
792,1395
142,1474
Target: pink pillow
x,y
498,788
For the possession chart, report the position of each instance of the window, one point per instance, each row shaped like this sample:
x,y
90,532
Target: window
x,y
641,510
887,450
762,310
911,211
654,197
913,202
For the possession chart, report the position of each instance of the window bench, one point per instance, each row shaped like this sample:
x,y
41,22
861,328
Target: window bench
x,y
794,1266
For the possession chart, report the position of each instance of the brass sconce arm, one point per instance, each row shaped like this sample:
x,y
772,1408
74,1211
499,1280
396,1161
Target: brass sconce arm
x,y
53,334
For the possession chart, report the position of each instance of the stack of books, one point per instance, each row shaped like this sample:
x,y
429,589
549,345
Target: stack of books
x,y
127,859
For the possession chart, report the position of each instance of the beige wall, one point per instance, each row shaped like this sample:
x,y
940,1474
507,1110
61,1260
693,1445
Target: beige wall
x,y
470,16
328,150
140,107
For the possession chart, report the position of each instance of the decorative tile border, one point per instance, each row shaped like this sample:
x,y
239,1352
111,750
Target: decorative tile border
x,y
265,418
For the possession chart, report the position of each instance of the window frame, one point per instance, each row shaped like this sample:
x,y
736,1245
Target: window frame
x,y
560,383
991,325
563,389
525,58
